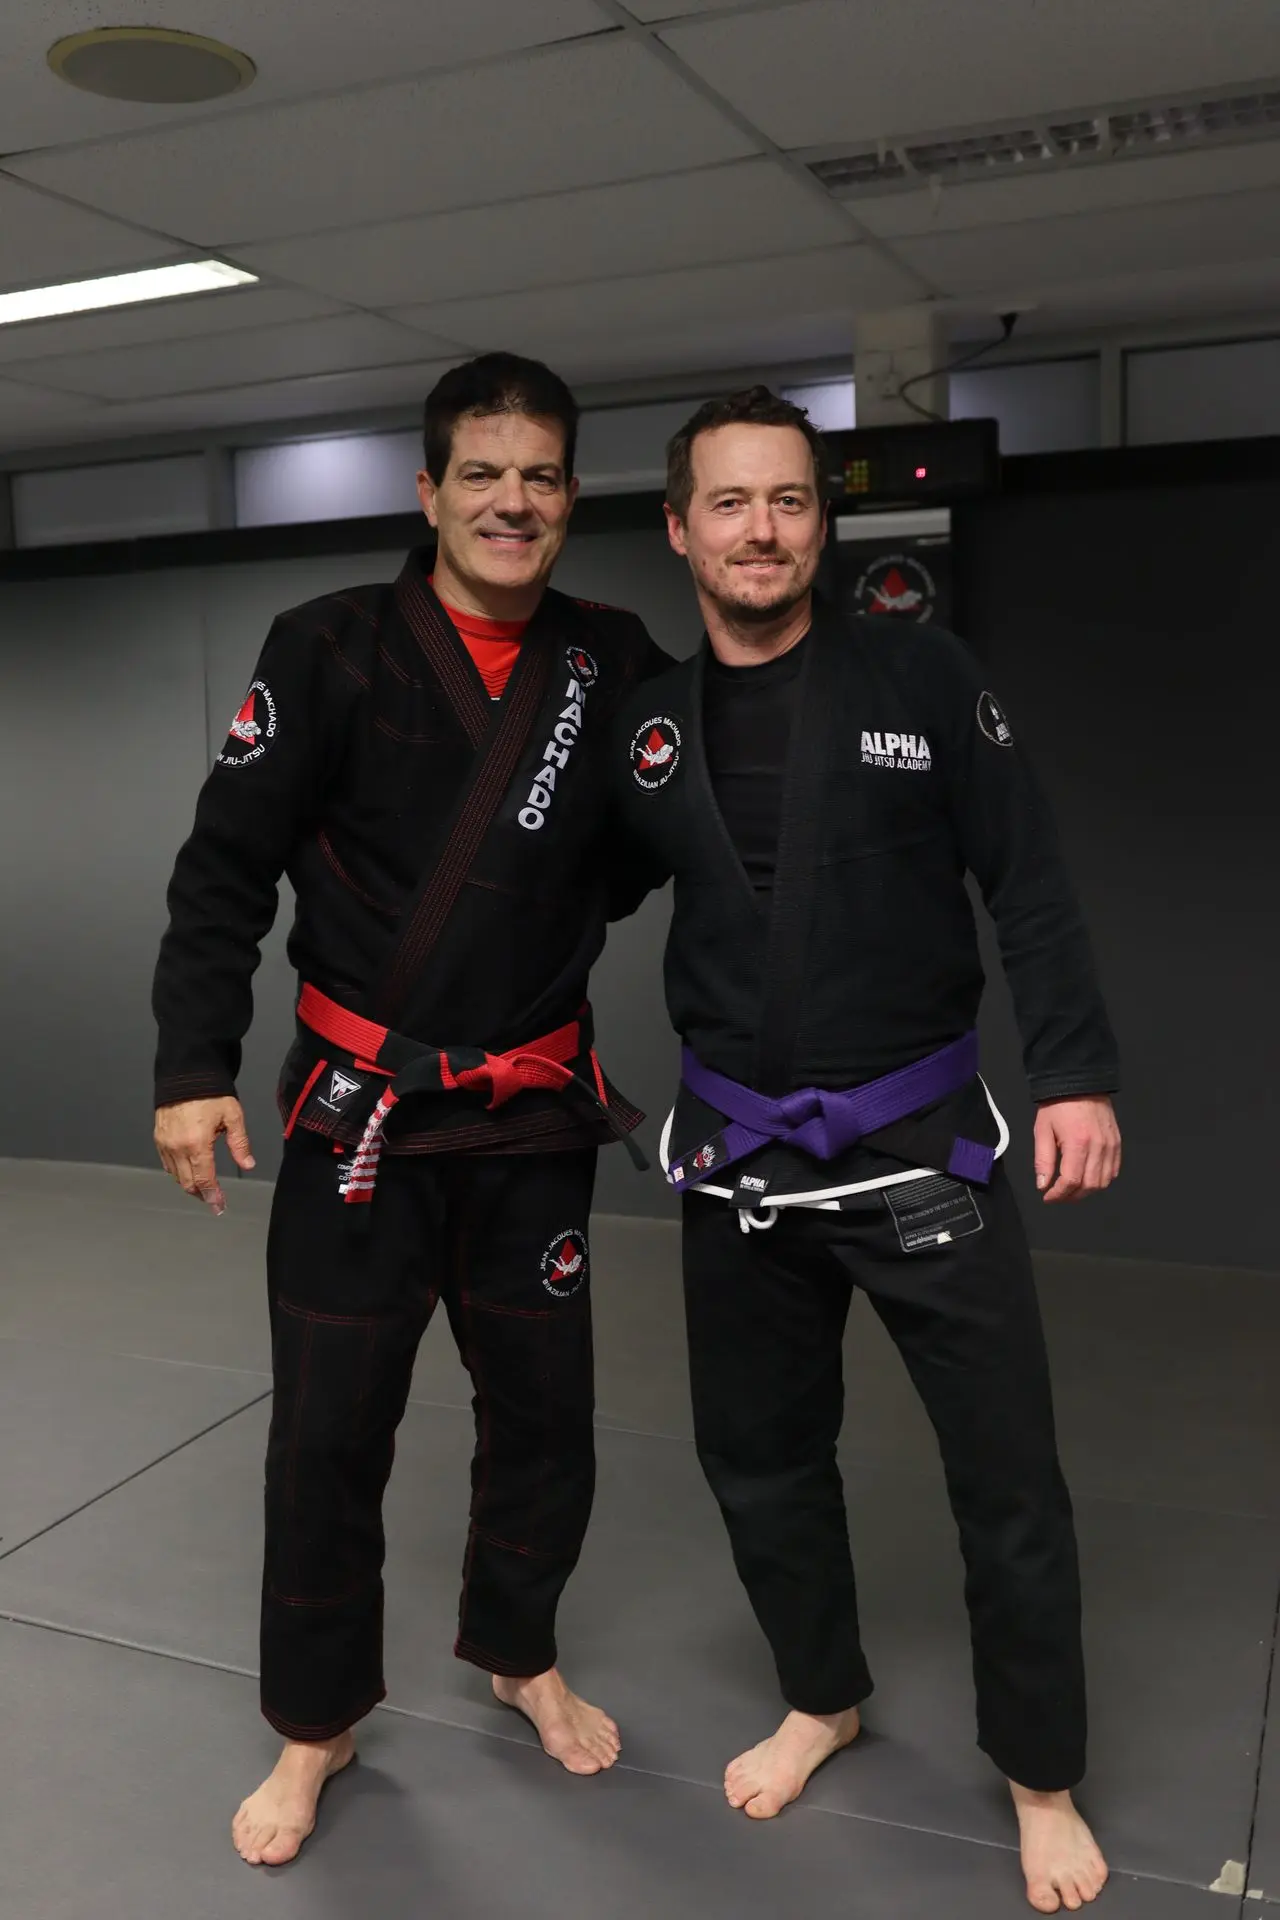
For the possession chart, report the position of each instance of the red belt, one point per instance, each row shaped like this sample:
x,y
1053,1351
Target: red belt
x,y
413,1066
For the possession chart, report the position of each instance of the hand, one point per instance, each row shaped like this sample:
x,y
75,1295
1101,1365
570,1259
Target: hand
x,y
185,1135
1080,1139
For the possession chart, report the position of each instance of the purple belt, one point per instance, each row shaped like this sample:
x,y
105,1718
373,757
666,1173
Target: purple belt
x,y
823,1123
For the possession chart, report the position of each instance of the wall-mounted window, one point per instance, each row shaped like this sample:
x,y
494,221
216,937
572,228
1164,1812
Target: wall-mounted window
x,y
347,477
1227,391
115,500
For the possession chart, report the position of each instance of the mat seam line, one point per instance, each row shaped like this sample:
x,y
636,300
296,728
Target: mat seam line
x,y
137,1474
1268,1694
512,1740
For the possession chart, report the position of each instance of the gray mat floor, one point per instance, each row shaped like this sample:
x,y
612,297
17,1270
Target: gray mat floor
x,y
132,1417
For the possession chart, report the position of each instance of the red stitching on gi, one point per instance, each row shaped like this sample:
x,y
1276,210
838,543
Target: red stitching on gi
x,y
467,1650
300,1600
361,613
327,1319
326,847
516,1313
342,659
389,661
444,653
409,739
292,1731
301,1101
509,1546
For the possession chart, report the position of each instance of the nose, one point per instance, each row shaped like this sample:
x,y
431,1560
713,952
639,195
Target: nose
x,y
760,523
511,499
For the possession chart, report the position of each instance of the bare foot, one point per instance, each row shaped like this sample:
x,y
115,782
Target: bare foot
x,y
773,1774
273,1822
1060,1856
580,1737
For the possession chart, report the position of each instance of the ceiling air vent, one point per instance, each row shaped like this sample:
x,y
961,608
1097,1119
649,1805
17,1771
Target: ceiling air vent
x,y
1111,133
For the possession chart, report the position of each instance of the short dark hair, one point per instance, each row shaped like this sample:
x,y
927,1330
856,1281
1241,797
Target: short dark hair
x,y
754,406
495,383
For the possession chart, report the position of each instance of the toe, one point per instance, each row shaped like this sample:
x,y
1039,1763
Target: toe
x,y
282,1847
1043,1897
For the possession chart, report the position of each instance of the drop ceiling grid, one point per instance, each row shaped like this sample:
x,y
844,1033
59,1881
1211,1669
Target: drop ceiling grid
x,y
299,47
590,112
44,239
188,318
734,211
829,71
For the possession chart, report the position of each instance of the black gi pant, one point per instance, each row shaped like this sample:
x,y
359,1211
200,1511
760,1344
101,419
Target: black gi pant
x,y
766,1314
502,1240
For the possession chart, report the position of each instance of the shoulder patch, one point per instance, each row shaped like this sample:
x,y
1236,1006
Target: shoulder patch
x,y
253,730
992,720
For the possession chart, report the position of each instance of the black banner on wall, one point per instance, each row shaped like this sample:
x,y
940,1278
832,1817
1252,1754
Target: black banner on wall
x,y
894,566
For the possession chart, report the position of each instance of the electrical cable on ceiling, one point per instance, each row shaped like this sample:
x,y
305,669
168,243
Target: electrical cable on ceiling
x,y
1008,321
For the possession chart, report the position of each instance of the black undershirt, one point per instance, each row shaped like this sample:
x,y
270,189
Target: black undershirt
x,y
746,717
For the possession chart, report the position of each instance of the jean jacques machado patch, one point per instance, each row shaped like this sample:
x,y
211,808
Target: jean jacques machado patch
x,y
655,751
253,729
564,738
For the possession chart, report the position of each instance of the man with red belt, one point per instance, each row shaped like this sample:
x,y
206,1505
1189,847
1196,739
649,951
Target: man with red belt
x,y
423,760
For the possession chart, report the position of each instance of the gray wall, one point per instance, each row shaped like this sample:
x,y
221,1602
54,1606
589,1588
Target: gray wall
x,y
1131,635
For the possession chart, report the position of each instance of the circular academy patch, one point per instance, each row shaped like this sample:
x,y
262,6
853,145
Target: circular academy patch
x,y
253,730
655,752
582,666
992,721
565,1263
897,585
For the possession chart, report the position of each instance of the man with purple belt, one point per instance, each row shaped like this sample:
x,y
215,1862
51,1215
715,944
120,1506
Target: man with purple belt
x,y
819,787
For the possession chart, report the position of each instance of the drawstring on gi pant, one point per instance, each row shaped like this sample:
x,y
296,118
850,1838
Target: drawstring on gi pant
x,y
748,1219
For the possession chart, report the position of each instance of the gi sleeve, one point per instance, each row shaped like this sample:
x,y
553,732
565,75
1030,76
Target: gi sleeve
x,y
253,808
1009,843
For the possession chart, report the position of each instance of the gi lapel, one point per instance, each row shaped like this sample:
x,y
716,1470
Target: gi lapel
x,y
499,744
706,805
445,653
796,873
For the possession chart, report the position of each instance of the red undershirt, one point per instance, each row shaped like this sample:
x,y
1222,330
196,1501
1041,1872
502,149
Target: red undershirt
x,y
492,644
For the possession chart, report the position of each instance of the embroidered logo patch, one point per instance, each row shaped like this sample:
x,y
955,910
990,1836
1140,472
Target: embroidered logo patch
x,y
992,721
341,1088
582,666
897,584
564,1264
705,1157
655,752
899,752
253,729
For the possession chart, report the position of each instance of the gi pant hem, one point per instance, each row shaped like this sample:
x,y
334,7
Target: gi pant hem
x,y
1036,1776
801,1701
527,1669
291,1730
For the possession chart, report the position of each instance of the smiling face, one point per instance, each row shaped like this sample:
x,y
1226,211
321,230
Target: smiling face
x,y
755,525
501,512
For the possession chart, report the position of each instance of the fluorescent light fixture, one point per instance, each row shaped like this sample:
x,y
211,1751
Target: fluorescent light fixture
x,y
121,290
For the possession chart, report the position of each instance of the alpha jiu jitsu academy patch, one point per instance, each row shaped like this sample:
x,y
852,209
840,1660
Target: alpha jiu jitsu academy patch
x,y
565,1263
655,752
253,730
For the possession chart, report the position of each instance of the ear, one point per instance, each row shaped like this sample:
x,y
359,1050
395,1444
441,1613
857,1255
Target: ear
x,y
676,531
427,496
573,489
826,522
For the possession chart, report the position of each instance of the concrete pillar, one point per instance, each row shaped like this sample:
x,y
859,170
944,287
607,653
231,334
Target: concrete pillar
x,y
890,348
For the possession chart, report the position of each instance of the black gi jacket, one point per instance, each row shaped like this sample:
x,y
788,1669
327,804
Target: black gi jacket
x,y
902,775
367,754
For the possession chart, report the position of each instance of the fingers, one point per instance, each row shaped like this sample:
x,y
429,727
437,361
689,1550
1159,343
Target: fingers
x,y
237,1138
1071,1173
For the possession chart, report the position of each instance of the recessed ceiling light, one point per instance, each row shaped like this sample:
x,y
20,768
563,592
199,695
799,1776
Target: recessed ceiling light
x,y
156,65
121,290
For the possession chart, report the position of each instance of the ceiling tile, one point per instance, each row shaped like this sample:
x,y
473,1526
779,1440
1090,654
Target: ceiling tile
x,y
45,240
161,320
288,401
829,71
721,213
1079,189
347,341
571,116
1042,253
1193,294
298,46
751,340
30,413
560,321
